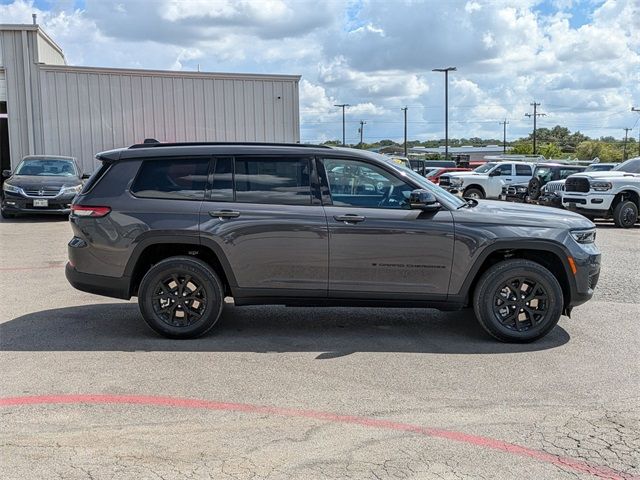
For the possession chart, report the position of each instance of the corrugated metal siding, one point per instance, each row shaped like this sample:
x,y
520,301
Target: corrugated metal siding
x,y
47,53
88,110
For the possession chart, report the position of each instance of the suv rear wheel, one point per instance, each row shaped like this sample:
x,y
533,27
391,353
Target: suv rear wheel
x,y
625,215
181,297
518,301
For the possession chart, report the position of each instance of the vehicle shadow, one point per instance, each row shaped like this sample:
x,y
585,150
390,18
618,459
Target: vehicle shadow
x,y
36,218
334,332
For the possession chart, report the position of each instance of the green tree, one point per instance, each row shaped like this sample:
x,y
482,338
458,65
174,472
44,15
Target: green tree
x,y
550,150
522,148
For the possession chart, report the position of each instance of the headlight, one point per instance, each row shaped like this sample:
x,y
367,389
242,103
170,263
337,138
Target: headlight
x,y
601,186
74,189
456,182
584,236
7,187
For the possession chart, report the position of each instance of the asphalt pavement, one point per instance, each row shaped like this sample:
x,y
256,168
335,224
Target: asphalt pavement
x,y
88,391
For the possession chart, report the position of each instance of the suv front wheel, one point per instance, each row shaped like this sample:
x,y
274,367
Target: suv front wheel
x,y
181,297
518,301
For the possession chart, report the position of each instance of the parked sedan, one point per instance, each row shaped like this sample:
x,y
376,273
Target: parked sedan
x,y
41,184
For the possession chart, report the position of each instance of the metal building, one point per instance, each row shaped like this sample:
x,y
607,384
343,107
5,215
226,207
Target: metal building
x,y
49,107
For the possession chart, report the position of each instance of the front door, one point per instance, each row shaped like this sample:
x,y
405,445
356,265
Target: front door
x,y
378,244
261,215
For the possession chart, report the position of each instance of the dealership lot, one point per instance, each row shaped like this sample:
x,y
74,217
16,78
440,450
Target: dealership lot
x,y
310,393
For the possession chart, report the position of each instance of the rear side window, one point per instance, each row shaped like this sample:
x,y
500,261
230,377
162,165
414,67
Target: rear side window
x,y
175,178
95,177
284,181
523,170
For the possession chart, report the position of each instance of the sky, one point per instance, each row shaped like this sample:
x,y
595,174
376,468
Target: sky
x,y
580,59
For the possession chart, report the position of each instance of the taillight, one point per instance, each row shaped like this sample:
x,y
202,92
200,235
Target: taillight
x,y
87,211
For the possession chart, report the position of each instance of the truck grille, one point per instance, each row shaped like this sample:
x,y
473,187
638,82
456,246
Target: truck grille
x,y
553,187
577,184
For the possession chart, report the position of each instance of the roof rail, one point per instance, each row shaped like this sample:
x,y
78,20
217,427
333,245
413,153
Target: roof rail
x,y
153,143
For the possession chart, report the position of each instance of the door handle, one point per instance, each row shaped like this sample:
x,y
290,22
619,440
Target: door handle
x,y
224,214
508,179
350,218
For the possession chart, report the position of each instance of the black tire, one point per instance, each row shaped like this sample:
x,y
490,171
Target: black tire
x,y
625,215
168,309
473,193
534,188
495,317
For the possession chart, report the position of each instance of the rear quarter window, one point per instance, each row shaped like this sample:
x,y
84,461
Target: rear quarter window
x,y
95,177
173,178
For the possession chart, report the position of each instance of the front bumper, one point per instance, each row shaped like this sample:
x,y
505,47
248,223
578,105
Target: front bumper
x,y
18,204
594,202
550,201
585,278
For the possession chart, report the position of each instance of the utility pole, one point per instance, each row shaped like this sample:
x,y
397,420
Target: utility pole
x,y
343,106
634,109
624,149
446,106
504,135
535,115
361,130
405,130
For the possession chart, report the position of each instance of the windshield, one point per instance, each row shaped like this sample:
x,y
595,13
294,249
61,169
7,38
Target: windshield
x,y
42,167
544,173
485,168
630,166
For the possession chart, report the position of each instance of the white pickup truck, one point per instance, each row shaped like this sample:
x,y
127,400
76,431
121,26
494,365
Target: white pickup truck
x,y
487,180
614,194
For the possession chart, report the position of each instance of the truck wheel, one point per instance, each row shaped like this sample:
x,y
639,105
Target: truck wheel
x,y
518,301
625,214
181,297
473,193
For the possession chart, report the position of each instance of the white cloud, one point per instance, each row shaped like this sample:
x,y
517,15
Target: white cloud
x,y
378,56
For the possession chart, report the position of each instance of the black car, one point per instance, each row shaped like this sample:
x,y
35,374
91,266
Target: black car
x,y
41,184
543,173
182,226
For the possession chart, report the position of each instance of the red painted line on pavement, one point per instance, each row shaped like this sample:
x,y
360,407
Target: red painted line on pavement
x,y
10,269
490,443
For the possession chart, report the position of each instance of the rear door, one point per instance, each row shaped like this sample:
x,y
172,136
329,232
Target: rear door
x,y
377,244
263,213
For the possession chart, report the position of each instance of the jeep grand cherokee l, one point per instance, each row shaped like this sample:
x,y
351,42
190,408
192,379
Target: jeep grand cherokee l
x,y
181,226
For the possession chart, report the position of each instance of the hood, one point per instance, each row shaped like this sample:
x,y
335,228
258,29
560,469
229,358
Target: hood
x,y
607,174
36,182
522,215
464,174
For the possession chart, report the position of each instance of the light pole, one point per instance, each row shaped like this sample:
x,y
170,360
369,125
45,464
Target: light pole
x,y
446,106
343,105
634,109
405,130
361,131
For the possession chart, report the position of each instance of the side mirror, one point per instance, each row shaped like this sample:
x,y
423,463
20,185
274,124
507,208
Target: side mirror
x,y
495,173
6,173
85,176
424,200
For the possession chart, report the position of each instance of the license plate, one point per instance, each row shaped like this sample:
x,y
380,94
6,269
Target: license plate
x,y
572,205
503,197
40,202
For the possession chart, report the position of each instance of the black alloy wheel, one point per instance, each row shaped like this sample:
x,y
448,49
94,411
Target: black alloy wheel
x,y
181,297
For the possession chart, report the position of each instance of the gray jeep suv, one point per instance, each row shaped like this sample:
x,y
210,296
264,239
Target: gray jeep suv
x,y
181,226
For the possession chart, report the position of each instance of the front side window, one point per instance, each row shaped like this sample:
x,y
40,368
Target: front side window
x,y
505,170
47,167
630,166
175,178
359,184
284,181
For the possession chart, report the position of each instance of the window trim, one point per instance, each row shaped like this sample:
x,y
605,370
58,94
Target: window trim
x,y
153,159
